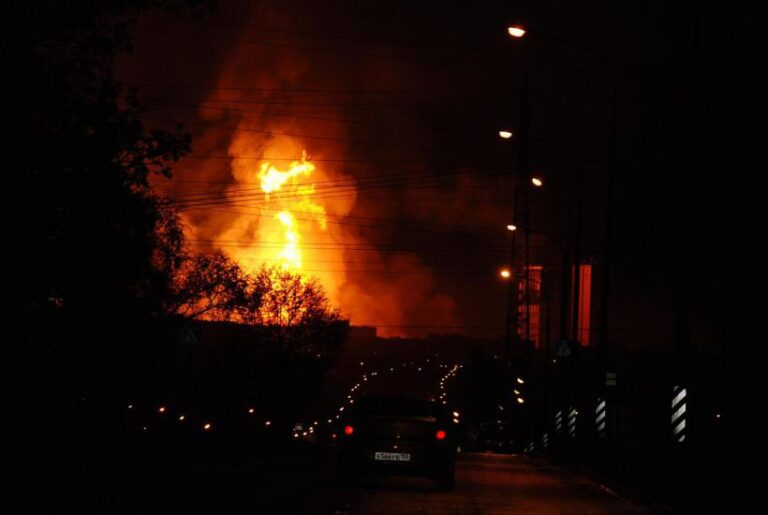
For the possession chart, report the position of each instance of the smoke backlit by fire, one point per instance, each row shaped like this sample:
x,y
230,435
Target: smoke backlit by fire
x,y
287,194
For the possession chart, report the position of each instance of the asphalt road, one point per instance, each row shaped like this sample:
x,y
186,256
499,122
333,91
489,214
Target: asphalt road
x,y
488,483
236,479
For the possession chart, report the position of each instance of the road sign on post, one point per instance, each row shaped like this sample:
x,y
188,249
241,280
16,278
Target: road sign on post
x,y
563,349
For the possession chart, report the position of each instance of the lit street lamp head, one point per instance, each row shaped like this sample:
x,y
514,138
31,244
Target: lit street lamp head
x,y
516,31
536,181
505,273
511,227
505,134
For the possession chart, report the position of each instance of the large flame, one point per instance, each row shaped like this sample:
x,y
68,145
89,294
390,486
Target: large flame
x,y
297,199
279,212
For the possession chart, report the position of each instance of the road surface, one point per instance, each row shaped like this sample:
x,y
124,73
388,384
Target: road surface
x,y
488,483
236,479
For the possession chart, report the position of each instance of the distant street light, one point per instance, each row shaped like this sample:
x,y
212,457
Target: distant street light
x,y
505,274
518,32
536,181
505,134
511,227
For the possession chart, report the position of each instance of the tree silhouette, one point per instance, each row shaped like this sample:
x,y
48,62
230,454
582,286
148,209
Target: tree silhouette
x,y
213,287
295,314
92,236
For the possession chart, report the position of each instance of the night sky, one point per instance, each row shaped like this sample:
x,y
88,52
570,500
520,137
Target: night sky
x,y
401,101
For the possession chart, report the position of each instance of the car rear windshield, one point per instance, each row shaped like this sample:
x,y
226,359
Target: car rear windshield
x,y
393,406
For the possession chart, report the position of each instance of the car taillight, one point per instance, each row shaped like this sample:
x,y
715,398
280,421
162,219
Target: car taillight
x,y
440,435
348,430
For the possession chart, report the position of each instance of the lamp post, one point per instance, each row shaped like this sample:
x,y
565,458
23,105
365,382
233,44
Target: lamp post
x,y
507,274
519,32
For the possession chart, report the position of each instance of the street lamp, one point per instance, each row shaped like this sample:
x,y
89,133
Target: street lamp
x,y
536,181
516,31
511,227
505,134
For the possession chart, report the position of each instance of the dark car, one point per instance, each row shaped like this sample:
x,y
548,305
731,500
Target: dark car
x,y
397,435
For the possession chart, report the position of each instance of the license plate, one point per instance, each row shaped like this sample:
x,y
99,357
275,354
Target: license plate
x,y
391,456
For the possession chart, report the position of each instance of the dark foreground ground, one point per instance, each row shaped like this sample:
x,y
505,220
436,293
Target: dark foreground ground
x,y
227,479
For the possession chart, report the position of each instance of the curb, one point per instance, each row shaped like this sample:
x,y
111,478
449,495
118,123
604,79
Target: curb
x,y
609,485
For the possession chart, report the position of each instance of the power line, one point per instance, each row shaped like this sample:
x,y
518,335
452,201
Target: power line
x,y
380,222
452,105
278,133
309,48
407,178
336,189
344,37
255,89
161,104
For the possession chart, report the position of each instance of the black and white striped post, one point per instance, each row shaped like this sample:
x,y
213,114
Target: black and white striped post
x,y
545,440
559,421
600,418
572,414
679,410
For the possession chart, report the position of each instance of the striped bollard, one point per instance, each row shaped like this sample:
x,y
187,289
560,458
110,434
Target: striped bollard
x,y
572,422
679,409
545,440
600,418
559,421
